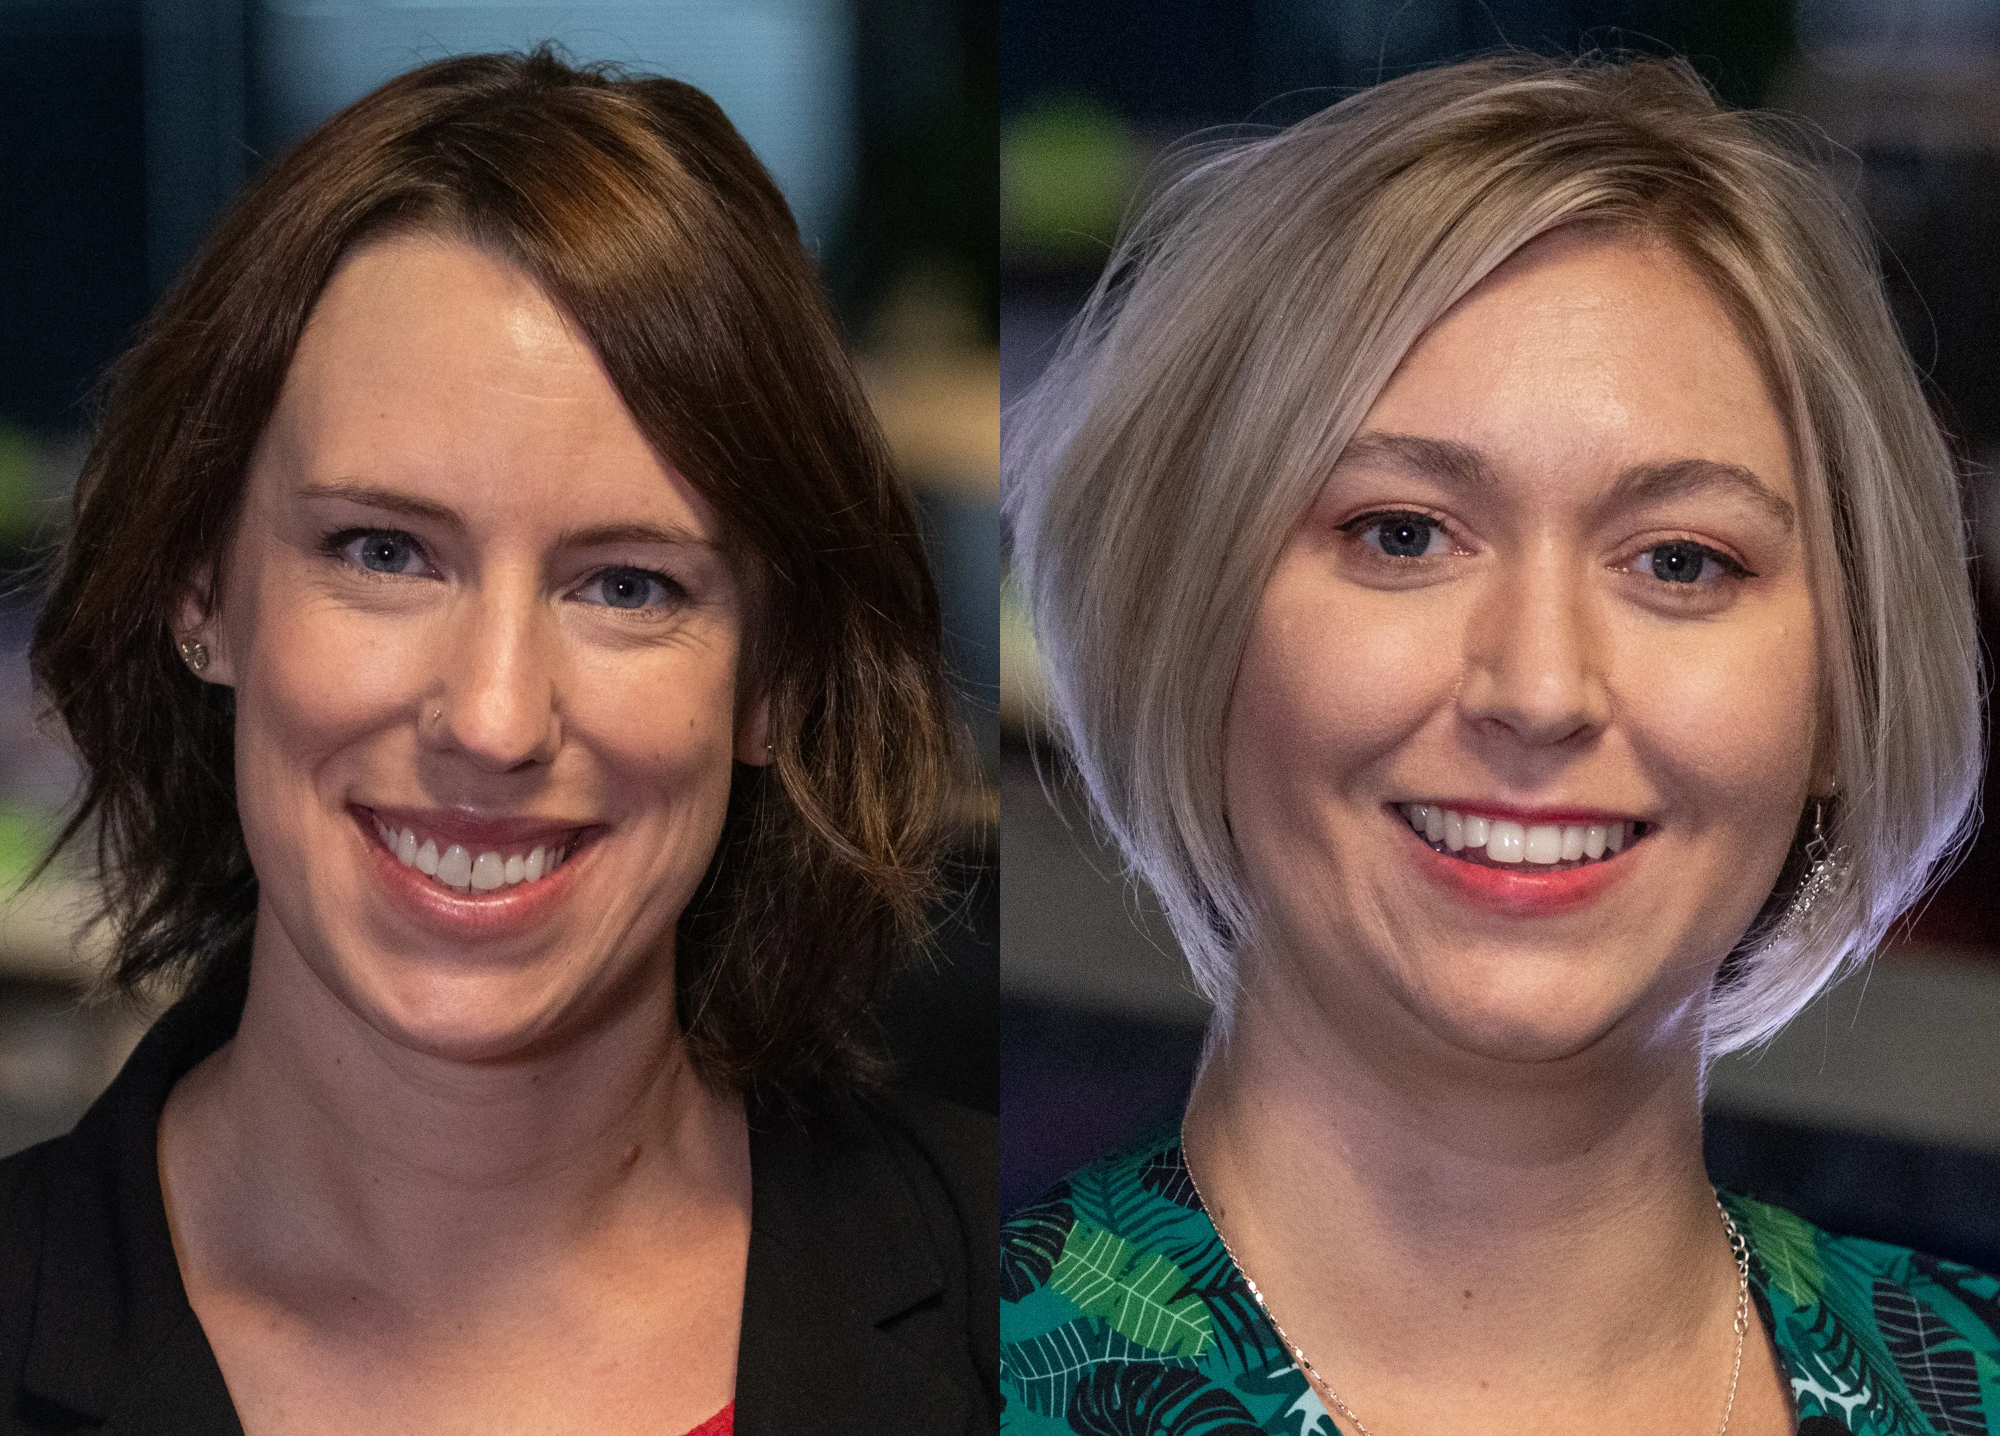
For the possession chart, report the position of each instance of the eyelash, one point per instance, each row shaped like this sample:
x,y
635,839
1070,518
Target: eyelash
x,y
1355,527
1360,524
335,545
1730,567
675,591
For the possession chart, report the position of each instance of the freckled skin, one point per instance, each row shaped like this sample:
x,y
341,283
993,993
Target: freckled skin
x,y
1541,666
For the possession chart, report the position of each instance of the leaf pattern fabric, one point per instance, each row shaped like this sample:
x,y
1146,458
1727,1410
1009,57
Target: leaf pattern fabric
x,y
1122,1315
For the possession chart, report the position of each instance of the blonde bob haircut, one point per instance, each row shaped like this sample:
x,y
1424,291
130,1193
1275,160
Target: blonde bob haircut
x,y
1255,308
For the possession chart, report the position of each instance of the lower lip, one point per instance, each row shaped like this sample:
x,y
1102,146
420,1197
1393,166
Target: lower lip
x,y
1513,892
503,912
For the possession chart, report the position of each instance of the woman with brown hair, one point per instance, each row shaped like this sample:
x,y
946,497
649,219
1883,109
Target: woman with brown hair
x,y
508,682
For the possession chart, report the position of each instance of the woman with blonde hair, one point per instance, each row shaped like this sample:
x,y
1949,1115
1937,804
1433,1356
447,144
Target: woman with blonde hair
x,y
1503,589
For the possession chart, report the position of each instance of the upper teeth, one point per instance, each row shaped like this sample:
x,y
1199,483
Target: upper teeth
x,y
1508,842
458,867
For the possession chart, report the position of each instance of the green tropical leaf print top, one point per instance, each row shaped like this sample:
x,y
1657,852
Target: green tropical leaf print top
x,y
1122,1315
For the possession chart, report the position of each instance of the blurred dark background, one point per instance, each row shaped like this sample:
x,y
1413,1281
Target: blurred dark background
x,y
125,126
1878,1111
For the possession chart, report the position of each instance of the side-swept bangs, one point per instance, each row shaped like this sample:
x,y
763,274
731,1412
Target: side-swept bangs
x,y
1255,309
650,223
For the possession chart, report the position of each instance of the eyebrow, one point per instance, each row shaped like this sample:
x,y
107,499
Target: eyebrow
x,y
386,499
1459,465
607,535
1650,483
597,536
1464,467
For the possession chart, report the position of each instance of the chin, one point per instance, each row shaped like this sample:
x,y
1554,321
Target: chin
x,y
1533,1023
467,1015
1521,1038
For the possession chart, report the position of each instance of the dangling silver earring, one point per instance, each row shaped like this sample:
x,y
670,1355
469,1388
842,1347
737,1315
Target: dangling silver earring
x,y
194,654
1826,865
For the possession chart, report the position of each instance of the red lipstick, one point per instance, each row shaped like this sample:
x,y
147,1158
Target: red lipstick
x,y
471,916
1520,890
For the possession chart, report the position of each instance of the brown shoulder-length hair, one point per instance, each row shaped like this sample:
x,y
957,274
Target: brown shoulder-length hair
x,y
645,217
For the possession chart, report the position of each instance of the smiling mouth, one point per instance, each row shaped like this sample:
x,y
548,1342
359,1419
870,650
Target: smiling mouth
x,y
462,870
1520,847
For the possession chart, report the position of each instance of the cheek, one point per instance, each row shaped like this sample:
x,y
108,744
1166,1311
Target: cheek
x,y
661,723
1730,714
1335,677
311,678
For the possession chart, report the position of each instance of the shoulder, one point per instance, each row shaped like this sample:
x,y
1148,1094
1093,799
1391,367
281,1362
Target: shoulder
x,y
61,1264
1140,1196
24,1202
90,1292
23,1188
950,1146
943,1156
1117,1295
948,1158
873,1226
1876,1338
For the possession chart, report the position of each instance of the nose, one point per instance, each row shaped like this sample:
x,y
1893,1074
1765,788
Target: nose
x,y
495,700
1534,669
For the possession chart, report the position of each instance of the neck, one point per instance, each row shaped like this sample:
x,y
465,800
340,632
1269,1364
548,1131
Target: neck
x,y
1434,1220
312,1147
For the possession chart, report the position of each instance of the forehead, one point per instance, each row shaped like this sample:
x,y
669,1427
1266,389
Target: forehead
x,y
1584,354
432,365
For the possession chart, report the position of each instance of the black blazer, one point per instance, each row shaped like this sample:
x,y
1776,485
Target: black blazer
x,y
871,1303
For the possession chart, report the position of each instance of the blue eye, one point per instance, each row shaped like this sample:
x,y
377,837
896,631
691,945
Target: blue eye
x,y
630,588
382,550
1400,535
1684,562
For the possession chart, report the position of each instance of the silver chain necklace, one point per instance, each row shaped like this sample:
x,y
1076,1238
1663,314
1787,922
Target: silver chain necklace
x,y
1737,1246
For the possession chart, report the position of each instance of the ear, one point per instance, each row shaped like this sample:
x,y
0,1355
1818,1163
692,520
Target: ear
x,y
198,622
753,733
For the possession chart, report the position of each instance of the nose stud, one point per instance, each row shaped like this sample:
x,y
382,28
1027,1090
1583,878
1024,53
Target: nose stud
x,y
194,654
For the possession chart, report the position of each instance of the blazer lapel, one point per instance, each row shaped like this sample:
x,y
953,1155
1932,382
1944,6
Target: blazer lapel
x,y
844,1324
114,1339
180,1393
841,1260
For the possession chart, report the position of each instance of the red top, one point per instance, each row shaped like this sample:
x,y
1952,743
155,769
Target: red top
x,y
722,1423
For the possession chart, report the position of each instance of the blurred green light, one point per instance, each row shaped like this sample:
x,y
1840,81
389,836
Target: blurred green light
x,y
20,493
25,834
1068,168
